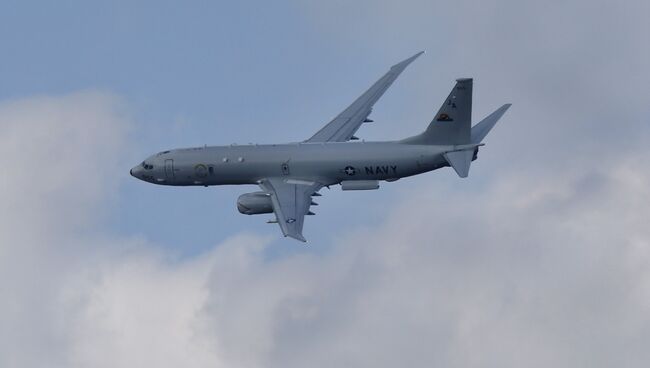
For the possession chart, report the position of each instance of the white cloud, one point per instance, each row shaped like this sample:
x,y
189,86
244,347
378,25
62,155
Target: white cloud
x,y
58,155
531,270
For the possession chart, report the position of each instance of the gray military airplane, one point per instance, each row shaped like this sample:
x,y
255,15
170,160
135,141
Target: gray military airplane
x,y
289,175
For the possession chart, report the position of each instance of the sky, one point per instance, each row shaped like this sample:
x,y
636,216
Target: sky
x,y
540,258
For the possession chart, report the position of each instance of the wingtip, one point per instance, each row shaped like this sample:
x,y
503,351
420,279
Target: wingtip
x,y
297,237
414,56
404,63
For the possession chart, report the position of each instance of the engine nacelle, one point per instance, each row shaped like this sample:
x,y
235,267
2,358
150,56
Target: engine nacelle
x,y
254,203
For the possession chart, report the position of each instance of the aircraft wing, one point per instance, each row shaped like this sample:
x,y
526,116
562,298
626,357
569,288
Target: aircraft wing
x,y
291,200
343,127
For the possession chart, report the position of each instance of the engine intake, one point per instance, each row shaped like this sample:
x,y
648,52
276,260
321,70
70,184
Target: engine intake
x,y
254,203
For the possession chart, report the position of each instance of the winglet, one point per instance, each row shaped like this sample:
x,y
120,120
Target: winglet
x,y
404,63
297,237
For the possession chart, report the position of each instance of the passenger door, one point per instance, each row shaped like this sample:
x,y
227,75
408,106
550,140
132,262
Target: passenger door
x,y
169,169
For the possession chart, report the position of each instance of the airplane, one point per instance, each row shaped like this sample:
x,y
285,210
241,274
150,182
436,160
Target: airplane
x,y
290,175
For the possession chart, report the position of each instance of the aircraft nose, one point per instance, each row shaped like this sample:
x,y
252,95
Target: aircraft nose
x,y
135,171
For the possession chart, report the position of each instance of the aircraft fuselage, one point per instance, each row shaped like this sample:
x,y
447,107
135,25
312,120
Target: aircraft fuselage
x,y
329,163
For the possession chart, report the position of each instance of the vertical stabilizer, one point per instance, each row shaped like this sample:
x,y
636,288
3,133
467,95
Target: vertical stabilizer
x,y
452,127
452,124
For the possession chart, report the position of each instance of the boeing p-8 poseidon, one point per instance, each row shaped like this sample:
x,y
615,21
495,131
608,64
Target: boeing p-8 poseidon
x,y
290,175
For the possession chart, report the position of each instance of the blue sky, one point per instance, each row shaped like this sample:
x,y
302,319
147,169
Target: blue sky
x,y
540,258
203,73
209,73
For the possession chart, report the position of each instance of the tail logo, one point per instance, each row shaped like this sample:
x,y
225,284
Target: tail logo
x,y
444,117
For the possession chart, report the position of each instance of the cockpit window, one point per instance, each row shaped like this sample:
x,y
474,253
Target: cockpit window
x,y
146,166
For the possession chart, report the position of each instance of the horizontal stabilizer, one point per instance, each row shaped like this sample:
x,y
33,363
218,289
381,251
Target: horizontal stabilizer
x,y
460,161
480,130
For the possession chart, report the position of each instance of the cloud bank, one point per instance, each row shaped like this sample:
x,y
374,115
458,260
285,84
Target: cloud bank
x,y
532,269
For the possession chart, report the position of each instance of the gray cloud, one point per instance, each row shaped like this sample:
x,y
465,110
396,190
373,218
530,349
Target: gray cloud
x,y
576,71
538,272
528,269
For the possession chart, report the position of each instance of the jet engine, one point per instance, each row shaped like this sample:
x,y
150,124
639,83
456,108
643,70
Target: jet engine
x,y
254,203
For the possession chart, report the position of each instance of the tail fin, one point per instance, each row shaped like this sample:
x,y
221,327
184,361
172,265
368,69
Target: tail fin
x,y
461,158
452,126
452,123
